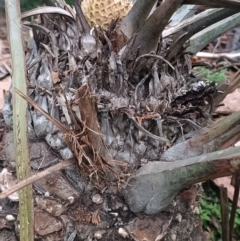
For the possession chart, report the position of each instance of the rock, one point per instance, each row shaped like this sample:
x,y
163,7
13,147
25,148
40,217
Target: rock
x,y
122,232
44,223
7,180
40,154
10,217
52,206
57,184
148,228
97,198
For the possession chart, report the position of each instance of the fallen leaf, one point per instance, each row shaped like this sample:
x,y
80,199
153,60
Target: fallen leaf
x,y
55,77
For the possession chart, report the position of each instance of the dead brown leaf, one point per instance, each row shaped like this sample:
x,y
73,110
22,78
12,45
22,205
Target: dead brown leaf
x,y
55,77
96,217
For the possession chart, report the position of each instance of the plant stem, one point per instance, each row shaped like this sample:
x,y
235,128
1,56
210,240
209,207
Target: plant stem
x,y
23,169
149,33
236,178
224,213
136,17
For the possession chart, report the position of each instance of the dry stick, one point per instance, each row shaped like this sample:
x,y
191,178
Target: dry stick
x,y
38,176
224,213
218,55
236,180
43,112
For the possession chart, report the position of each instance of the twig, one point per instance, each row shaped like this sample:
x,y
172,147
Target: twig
x,y
138,86
38,176
143,130
218,55
236,183
224,112
153,56
224,213
43,112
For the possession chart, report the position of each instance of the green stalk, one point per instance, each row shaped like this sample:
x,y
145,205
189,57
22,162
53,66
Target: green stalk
x,y
13,17
136,17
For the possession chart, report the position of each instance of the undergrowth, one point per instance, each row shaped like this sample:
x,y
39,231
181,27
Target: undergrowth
x,y
210,213
211,75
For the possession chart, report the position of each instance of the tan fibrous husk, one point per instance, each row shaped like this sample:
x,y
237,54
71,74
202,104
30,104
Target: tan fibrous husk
x,y
101,12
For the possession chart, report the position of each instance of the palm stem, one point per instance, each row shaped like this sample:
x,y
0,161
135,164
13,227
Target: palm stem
x,y
20,119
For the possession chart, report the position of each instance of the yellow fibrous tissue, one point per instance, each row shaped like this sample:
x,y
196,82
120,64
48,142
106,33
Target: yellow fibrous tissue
x,y
102,12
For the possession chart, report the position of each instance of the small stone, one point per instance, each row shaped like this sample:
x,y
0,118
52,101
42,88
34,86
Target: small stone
x,y
122,232
114,214
196,210
71,199
179,217
44,223
148,228
10,217
7,180
96,198
144,161
47,194
58,185
125,208
174,236
50,205
98,235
